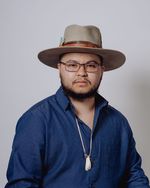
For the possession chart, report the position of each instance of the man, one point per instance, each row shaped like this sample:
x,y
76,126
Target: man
x,y
75,139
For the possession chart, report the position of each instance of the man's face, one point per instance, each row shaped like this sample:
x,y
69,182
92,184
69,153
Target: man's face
x,y
81,83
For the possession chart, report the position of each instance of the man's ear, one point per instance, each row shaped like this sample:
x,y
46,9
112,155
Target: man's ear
x,y
103,68
58,66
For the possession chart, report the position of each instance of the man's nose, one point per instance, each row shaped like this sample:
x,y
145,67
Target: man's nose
x,y
82,71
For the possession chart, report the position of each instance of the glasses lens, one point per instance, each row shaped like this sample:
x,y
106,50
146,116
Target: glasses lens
x,y
72,66
92,67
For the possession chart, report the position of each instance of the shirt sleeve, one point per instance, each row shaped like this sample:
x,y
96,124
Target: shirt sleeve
x,y
26,164
135,176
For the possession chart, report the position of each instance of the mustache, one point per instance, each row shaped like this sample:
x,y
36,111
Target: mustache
x,y
81,80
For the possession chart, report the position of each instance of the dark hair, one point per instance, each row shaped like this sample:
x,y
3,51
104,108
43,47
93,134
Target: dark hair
x,y
101,60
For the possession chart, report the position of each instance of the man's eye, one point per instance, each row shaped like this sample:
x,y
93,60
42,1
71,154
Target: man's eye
x,y
72,65
92,65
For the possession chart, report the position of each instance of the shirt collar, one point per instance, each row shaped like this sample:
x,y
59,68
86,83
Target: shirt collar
x,y
100,101
62,98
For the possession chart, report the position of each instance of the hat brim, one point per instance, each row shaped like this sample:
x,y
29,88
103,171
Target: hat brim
x,y
112,59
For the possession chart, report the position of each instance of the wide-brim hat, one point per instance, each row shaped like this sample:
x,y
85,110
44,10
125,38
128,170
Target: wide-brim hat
x,y
82,39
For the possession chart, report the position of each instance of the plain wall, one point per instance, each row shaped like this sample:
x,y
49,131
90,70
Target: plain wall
x,y
27,27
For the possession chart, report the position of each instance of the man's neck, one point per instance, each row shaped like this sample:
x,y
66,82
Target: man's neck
x,y
83,104
84,109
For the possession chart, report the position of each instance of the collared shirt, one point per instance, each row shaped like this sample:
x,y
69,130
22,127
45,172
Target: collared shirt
x,y
47,150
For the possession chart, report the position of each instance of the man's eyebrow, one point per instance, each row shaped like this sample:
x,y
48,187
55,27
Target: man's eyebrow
x,y
75,61
71,61
93,60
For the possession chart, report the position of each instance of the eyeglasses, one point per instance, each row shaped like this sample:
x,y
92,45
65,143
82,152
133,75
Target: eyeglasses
x,y
74,66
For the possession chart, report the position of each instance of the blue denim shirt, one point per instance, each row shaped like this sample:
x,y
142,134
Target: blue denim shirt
x,y
47,150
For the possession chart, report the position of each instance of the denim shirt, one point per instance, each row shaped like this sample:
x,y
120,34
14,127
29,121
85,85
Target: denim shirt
x,y
47,150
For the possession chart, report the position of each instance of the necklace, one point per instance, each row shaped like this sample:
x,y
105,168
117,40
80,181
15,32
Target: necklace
x,y
87,157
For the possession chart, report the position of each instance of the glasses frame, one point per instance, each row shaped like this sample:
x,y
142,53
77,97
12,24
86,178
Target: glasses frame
x,y
80,65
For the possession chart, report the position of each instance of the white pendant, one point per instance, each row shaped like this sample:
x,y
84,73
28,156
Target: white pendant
x,y
87,163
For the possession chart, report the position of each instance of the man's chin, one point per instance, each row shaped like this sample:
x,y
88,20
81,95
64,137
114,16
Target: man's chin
x,y
79,95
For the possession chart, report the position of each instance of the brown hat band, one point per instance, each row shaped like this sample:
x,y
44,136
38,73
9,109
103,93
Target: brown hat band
x,y
81,44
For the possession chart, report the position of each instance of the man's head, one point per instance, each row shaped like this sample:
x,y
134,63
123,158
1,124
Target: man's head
x,y
80,74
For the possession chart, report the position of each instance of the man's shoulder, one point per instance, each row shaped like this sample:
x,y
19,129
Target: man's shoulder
x,y
43,104
109,111
115,112
117,117
41,108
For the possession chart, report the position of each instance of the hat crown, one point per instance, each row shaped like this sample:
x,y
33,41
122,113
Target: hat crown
x,y
77,33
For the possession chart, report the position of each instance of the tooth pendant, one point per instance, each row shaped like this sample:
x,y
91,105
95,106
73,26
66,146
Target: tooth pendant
x,y
87,163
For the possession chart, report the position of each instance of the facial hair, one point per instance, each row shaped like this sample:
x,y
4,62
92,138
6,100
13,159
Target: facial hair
x,y
80,96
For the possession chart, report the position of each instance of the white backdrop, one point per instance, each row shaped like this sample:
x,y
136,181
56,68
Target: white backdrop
x,y
27,27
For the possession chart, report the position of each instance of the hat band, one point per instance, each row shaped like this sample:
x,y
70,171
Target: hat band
x,y
81,44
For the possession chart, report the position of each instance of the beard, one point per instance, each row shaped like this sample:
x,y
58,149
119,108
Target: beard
x,y
80,96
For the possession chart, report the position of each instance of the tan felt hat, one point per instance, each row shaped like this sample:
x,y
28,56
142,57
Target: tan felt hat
x,y
82,39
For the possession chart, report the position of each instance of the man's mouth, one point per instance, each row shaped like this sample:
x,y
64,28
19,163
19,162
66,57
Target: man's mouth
x,y
81,81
